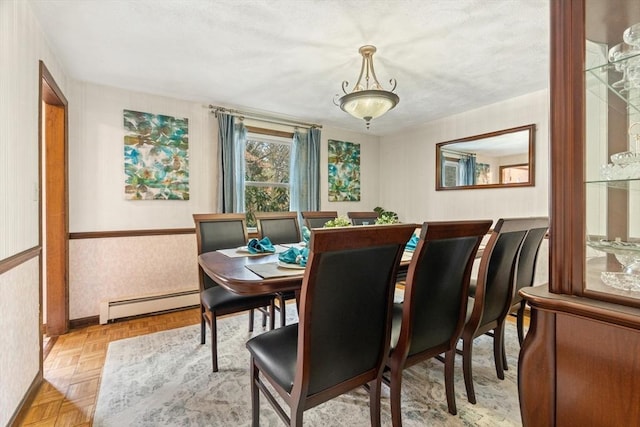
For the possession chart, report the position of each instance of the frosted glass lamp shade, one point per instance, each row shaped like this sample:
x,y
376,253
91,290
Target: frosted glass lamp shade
x,y
368,104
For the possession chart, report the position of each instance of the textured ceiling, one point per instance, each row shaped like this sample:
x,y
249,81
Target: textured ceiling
x,y
289,57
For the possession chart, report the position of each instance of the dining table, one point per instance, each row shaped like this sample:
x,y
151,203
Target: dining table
x,y
245,273
259,274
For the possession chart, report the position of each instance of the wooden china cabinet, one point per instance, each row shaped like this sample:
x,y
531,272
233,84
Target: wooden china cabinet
x,y
580,362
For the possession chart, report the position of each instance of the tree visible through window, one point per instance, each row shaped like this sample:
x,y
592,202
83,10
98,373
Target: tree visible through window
x,y
266,187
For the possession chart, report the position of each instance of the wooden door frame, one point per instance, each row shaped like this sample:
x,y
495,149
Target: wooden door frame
x,y
57,231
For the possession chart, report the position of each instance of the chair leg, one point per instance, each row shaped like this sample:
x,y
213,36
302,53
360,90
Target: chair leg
x,y
272,314
395,392
498,349
296,415
214,342
251,317
504,354
255,395
467,353
374,401
283,310
505,365
520,322
203,326
449,362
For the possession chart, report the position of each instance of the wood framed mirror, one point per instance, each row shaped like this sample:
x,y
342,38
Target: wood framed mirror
x,y
499,159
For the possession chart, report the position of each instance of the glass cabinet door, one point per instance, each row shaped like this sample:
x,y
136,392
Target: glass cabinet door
x,y
612,165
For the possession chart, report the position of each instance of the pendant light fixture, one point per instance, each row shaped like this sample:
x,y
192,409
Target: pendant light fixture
x,y
368,99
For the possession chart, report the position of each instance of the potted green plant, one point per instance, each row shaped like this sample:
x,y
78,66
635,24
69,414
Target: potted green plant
x,y
341,221
386,217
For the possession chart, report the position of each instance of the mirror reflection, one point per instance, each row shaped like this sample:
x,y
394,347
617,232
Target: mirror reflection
x,y
492,160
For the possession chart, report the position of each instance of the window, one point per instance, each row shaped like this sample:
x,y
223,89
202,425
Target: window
x,y
266,186
450,172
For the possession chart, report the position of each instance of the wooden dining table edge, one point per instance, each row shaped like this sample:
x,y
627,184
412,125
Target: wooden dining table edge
x,y
257,286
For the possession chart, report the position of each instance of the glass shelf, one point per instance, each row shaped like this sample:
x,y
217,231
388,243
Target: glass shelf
x,y
612,181
616,247
624,184
609,73
613,63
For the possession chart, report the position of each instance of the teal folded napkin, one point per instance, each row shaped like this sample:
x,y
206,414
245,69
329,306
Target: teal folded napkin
x,y
412,243
306,234
295,256
264,245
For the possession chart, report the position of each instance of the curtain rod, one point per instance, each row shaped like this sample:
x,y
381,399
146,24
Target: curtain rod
x,y
262,117
448,150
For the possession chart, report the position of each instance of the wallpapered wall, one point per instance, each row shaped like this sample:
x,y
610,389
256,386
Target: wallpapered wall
x,y
112,268
407,169
96,161
22,46
407,166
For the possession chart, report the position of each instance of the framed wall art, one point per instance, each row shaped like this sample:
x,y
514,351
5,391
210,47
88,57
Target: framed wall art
x,y
156,157
344,171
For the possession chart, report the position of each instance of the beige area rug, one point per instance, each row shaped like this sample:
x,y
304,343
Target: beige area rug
x,y
165,379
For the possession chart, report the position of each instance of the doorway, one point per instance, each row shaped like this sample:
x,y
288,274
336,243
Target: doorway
x,y
54,217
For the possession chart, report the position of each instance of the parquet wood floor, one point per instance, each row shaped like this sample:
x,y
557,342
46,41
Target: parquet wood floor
x,y
73,367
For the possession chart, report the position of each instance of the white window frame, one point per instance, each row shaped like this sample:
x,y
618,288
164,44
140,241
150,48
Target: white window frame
x,y
271,139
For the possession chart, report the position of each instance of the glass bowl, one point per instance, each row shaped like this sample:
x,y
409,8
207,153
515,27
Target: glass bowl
x,y
631,35
624,281
625,158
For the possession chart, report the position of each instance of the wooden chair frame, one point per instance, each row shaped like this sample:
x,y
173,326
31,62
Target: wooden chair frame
x,y
266,216
526,270
358,217
248,303
323,243
462,235
508,234
313,216
269,216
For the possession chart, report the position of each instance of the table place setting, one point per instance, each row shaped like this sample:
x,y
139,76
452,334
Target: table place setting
x,y
299,245
291,262
254,247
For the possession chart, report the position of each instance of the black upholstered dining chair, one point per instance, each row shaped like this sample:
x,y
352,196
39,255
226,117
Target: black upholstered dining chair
x,y
342,338
223,231
317,219
527,268
363,218
490,304
430,320
279,227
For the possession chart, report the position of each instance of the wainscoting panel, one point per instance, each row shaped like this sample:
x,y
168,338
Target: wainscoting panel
x,y
19,323
107,269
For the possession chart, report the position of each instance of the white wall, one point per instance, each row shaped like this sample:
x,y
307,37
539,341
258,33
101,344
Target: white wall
x,y
407,166
108,268
22,45
96,161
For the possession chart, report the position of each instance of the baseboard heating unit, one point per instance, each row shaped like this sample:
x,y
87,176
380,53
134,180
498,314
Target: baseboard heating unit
x,y
136,306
